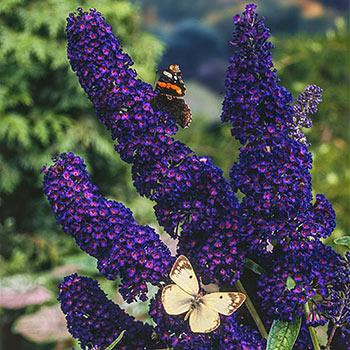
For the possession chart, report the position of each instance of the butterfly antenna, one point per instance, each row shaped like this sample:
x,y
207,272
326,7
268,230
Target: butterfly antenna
x,y
177,229
200,284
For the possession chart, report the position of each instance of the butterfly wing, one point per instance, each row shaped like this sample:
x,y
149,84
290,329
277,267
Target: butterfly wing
x,y
182,112
170,88
224,303
202,319
174,106
183,275
175,300
170,82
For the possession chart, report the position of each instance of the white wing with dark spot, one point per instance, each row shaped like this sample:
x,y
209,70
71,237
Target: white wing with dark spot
x,y
224,303
183,275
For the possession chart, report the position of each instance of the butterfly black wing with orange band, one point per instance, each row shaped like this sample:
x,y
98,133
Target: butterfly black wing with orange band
x,y
170,89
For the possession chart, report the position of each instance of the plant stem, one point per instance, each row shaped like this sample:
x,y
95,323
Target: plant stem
x,y
311,329
252,310
335,326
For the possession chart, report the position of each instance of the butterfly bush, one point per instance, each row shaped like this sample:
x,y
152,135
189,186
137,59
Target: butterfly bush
x,y
97,321
277,224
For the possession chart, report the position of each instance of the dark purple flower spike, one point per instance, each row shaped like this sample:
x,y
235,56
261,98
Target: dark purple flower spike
x,y
273,168
105,229
97,321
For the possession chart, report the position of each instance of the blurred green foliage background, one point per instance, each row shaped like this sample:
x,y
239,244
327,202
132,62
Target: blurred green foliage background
x,y
44,112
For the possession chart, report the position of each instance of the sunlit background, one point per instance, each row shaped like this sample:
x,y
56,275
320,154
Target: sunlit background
x,y
44,112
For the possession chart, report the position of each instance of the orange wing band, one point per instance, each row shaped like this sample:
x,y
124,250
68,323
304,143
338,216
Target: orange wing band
x,y
170,86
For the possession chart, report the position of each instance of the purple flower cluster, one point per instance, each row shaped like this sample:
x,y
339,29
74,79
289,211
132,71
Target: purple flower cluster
x,y
254,101
303,270
191,194
105,229
306,103
231,335
97,321
282,225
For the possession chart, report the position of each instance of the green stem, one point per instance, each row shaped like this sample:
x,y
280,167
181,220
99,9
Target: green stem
x,y
311,329
252,310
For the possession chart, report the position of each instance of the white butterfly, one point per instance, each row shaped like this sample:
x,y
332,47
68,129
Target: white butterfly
x,y
201,310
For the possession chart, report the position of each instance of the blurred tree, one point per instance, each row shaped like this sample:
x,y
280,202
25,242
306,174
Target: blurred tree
x,y
43,110
338,4
180,47
168,11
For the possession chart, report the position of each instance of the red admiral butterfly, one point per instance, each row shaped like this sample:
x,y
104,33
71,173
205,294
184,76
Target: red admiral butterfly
x,y
170,88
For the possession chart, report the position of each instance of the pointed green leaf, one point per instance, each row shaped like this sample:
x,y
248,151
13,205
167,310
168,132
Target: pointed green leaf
x,y
112,345
283,335
343,241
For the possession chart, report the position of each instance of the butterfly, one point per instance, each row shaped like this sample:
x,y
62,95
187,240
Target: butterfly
x,y
202,311
170,89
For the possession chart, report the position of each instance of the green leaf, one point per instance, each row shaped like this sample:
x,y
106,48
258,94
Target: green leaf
x,y
252,265
343,241
283,335
290,283
112,345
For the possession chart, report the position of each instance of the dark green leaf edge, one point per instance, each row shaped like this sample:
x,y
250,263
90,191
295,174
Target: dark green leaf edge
x,y
283,335
253,266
